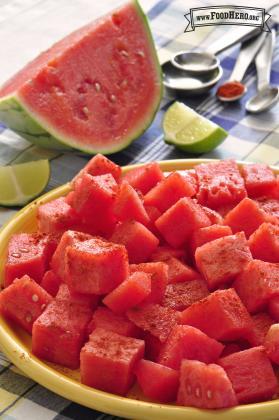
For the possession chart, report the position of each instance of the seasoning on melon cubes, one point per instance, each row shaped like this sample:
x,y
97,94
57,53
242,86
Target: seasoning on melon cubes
x,y
159,279
181,295
271,343
56,216
251,374
220,184
179,272
261,324
51,282
169,191
221,315
28,253
99,165
271,205
138,240
264,243
206,234
108,359
23,301
257,284
178,223
259,179
95,266
186,342
221,260
157,382
144,177
67,295
204,386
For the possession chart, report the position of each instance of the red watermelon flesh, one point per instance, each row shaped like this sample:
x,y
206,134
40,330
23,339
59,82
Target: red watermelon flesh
x,y
261,324
51,282
56,216
99,165
144,177
273,308
264,243
210,233
271,343
112,97
180,272
271,206
181,295
259,179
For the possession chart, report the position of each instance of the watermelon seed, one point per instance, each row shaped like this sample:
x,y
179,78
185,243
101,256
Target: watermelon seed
x,y
124,83
28,318
35,298
85,110
24,249
97,87
124,53
209,394
16,255
141,53
113,98
198,392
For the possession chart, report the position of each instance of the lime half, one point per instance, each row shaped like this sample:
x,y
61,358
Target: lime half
x,y
20,183
186,129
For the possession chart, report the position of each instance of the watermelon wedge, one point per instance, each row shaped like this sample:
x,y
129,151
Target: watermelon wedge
x,y
96,90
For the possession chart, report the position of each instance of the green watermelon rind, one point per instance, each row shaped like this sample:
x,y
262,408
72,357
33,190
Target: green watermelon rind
x,y
18,117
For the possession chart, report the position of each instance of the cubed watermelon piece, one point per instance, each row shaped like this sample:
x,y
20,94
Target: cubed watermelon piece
x,y
181,295
257,284
144,177
108,320
221,260
129,206
186,342
159,279
251,374
23,302
221,315
107,361
69,238
164,253
95,266
157,382
261,324
129,293
271,205
264,243
214,216
206,234
99,165
273,308
152,346
204,386
247,216
65,294
259,179
220,184
191,177
271,343
138,240
169,191
51,282
180,221
153,213
28,253
154,318
180,272
60,332
56,216
230,349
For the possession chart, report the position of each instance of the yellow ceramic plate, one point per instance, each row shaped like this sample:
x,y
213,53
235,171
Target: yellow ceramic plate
x,y
16,344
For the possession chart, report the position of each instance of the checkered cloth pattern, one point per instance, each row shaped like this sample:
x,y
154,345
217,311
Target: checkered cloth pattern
x,y
27,27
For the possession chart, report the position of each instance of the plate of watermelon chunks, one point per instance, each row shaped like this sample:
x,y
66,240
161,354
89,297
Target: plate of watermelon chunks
x,y
167,282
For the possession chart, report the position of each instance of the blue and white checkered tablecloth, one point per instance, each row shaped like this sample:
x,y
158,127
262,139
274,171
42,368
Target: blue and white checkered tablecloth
x,y
29,26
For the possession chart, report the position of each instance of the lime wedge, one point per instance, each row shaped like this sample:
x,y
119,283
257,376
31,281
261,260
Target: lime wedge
x,y
186,129
20,183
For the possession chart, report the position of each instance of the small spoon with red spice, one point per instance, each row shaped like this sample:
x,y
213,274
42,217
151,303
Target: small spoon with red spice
x,y
233,89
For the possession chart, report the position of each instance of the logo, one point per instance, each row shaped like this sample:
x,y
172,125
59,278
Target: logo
x,y
227,15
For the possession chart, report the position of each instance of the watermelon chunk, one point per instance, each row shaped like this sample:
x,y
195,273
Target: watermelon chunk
x,y
108,320
164,253
63,325
261,324
229,319
28,253
129,293
156,381
247,216
259,179
99,165
56,216
180,272
185,342
221,260
271,343
210,233
159,279
90,264
230,349
113,354
152,346
169,191
257,284
138,240
264,243
214,216
23,302
273,308
251,374
179,221
220,184
271,205
107,103
144,177
155,319
205,386
51,282
128,205
65,294
181,295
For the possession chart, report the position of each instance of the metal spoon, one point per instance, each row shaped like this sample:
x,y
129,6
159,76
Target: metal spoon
x,y
247,53
267,95
204,61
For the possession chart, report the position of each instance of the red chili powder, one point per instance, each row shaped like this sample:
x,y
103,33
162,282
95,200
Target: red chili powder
x,y
230,89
